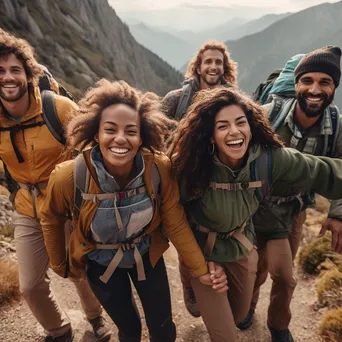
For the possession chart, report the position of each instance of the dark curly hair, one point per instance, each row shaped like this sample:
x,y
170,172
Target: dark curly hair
x,y
23,51
229,65
191,161
84,125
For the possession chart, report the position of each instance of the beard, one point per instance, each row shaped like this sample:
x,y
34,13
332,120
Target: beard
x,y
312,110
22,90
211,83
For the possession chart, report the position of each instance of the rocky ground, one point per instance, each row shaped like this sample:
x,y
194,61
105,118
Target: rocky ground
x,y
17,323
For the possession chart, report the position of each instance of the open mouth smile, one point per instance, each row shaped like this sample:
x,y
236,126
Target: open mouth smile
x,y
235,144
118,150
9,86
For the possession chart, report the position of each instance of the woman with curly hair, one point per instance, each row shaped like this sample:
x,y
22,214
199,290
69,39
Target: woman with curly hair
x,y
217,151
117,232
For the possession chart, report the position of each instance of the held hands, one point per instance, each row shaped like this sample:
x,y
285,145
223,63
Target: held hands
x,y
217,279
335,226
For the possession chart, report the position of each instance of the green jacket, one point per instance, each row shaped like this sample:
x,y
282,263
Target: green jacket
x,y
264,220
223,211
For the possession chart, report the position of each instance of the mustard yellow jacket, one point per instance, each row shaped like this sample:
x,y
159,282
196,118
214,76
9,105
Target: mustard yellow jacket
x,y
40,150
59,202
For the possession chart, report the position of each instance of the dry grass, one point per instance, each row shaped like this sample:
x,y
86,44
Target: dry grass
x,y
329,288
331,326
322,204
7,231
9,280
314,253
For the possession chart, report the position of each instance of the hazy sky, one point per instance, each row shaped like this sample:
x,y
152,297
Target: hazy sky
x,y
148,5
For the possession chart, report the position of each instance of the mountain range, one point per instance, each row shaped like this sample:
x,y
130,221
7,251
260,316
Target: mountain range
x,y
81,41
176,47
261,53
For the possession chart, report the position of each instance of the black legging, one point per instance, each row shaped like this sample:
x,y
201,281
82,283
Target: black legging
x,y
117,299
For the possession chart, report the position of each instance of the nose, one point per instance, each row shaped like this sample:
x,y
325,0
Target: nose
x,y
8,76
315,88
233,130
213,66
120,138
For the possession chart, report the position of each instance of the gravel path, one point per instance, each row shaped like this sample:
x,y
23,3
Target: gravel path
x,y
17,323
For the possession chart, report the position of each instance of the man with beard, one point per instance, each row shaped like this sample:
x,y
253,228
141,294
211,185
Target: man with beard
x,y
30,153
211,67
306,123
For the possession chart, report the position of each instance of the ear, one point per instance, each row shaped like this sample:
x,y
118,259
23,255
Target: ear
x,y
198,70
211,140
96,138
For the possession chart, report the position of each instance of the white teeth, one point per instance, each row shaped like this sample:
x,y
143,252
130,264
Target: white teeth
x,y
119,150
314,99
235,142
9,86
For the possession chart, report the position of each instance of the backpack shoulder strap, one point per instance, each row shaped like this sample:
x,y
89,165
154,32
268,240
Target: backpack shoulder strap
x,y
50,116
280,109
184,101
81,182
156,183
335,122
261,169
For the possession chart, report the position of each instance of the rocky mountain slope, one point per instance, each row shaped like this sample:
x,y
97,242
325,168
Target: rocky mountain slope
x,y
81,41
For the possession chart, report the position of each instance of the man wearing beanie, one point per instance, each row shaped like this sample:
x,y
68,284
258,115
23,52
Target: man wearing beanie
x,y
311,124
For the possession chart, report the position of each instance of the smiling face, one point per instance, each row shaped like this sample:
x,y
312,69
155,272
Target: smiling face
x,y
315,91
119,138
231,135
13,79
211,68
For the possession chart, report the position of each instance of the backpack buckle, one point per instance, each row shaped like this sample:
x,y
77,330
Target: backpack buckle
x,y
244,186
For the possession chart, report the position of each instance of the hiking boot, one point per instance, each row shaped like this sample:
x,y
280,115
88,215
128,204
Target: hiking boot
x,y
281,335
247,321
101,328
67,337
190,302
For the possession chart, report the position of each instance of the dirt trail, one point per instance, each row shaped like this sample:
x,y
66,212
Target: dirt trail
x,y
17,323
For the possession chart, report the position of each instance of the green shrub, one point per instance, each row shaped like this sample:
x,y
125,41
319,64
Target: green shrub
x,y
331,326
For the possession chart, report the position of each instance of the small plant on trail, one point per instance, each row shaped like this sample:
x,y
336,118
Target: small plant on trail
x,y
7,231
314,253
9,280
329,288
331,326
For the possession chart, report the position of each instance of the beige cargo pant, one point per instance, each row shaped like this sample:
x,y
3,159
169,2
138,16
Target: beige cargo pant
x,y
35,284
276,257
222,311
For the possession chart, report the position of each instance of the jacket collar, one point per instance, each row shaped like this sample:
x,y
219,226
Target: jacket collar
x,y
148,158
34,110
253,152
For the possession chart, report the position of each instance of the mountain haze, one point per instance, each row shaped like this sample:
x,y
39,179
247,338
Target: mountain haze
x,y
178,47
81,41
170,48
259,54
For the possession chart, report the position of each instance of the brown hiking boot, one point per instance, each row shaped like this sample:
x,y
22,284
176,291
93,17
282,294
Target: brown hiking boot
x,y
101,328
67,337
190,302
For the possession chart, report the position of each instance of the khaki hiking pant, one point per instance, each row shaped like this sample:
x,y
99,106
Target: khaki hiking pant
x,y
33,263
222,311
276,257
